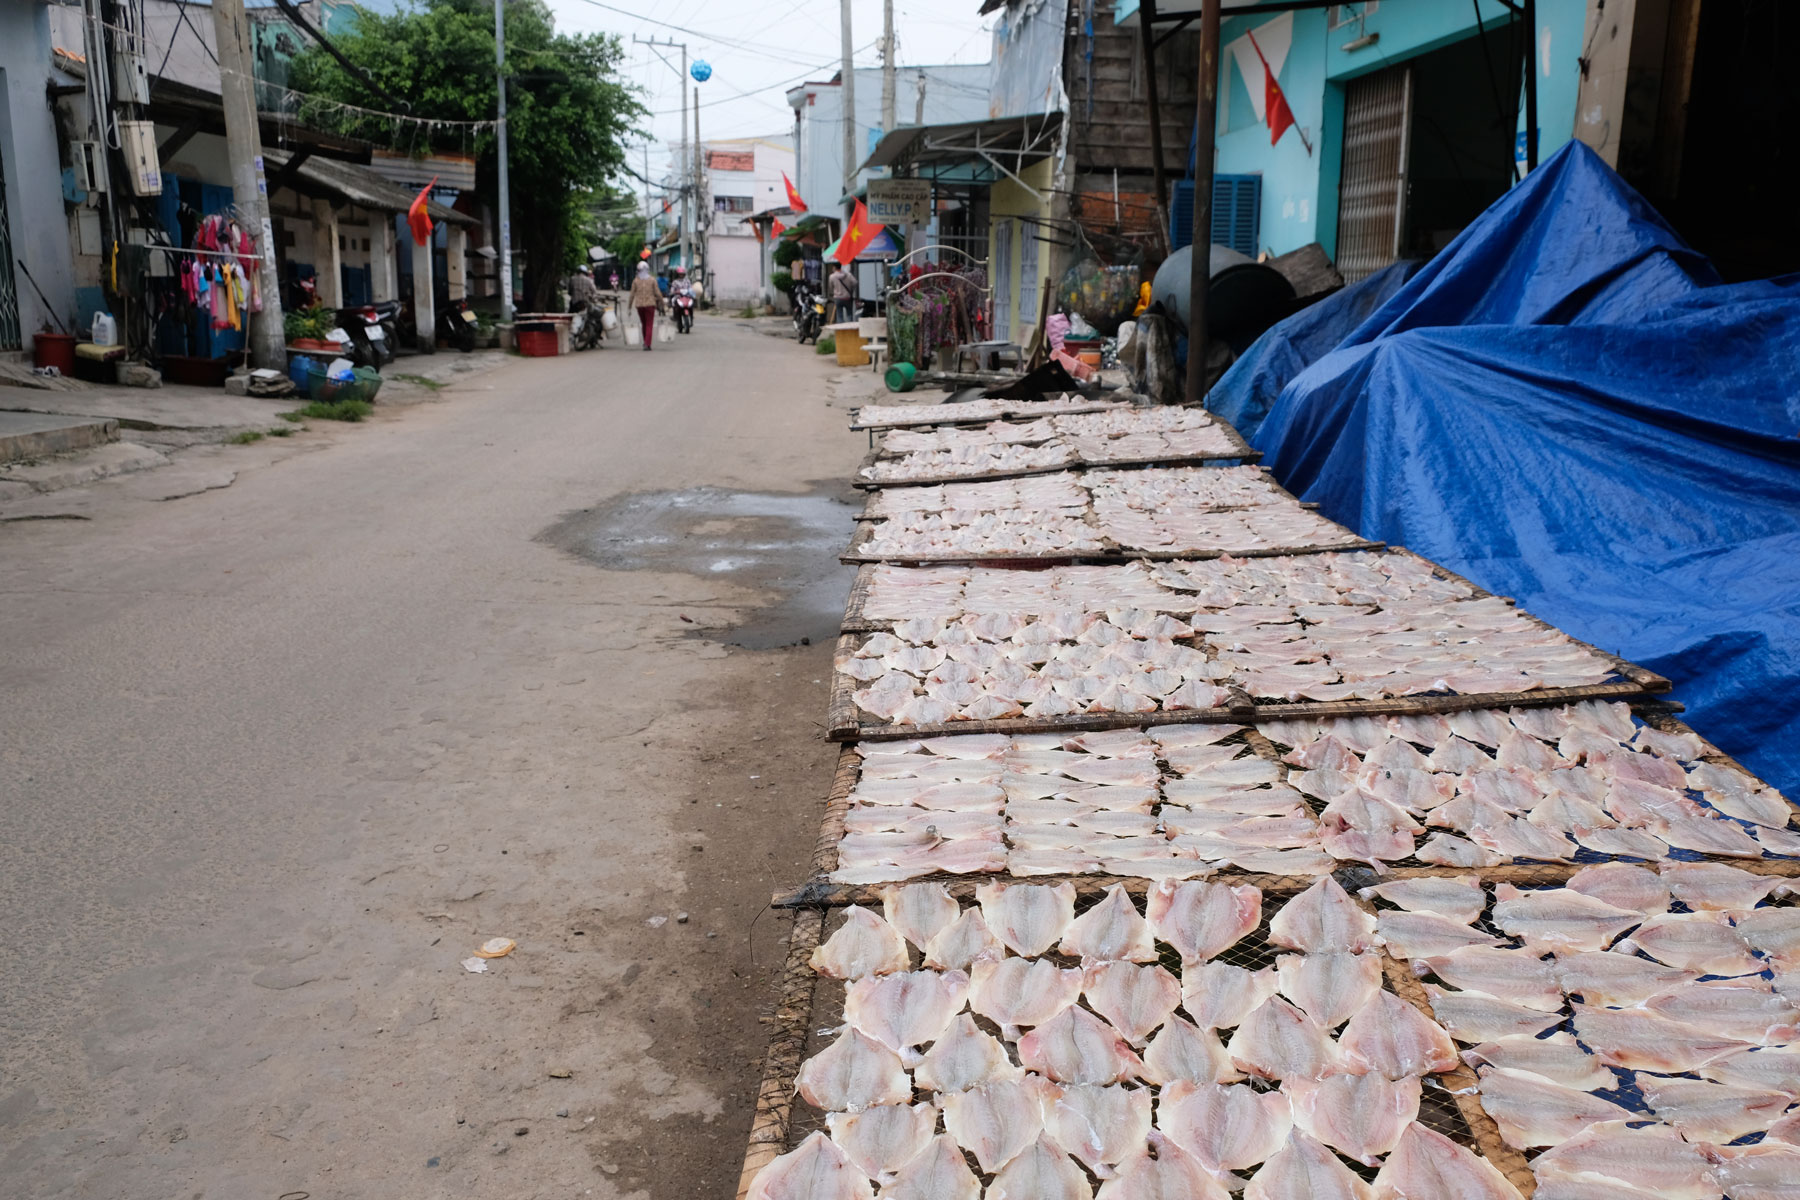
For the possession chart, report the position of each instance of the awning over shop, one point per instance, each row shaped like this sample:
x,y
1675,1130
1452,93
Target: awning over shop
x,y
334,179
887,244
968,151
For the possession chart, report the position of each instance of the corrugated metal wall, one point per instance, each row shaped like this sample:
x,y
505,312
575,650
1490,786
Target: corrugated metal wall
x,y
1372,190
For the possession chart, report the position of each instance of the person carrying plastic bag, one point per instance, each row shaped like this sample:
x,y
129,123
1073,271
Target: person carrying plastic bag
x,y
647,300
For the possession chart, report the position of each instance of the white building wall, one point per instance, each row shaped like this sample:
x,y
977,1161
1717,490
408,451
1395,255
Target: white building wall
x,y
735,263
952,94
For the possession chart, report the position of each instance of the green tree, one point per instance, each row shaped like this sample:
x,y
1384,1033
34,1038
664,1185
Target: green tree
x,y
568,112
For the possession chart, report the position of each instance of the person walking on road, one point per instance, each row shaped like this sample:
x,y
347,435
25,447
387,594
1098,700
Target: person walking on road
x,y
647,300
842,290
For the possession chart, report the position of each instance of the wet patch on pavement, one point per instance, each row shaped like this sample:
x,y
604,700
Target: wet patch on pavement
x,y
783,544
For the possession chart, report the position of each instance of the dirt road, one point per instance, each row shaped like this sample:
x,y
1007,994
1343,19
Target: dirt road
x,y
279,756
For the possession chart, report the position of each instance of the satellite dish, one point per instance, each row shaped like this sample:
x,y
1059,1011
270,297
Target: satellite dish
x,y
701,70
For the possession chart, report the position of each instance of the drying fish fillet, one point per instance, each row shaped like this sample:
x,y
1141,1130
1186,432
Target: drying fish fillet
x,y
1278,1041
863,945
958,945
883,1139
1041,1171
1448,850
963,1057
1226,1127
851,1074
1715,886
1173,737
1427,935
1305,1170
1323,918
1391,1038
1533,1111
1283,862
1111,930
1361,1115
907,1008
1027,917
1162,1171
1602,977
1429,1166
1021,991
814,1170
1559,919
971,746
1219,995
1736,795
1332,987
1775,932
1075,1046
1642,1041
1203,919
1704,942
922,854
1135,1000
918,910
1637,889
1787,1129
1516,976
1739,1008
1709,835
1557,1057
1457,898
996,1120
1654,1158
1471,1017
1711,1112
1100,1125
1181,1051
1762,1172
940,1172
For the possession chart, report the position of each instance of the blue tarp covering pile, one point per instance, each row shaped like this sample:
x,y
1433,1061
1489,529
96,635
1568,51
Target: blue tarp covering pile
x,y
1567,406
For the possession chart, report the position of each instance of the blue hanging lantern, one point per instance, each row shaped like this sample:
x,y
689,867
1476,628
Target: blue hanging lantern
x,y
701,70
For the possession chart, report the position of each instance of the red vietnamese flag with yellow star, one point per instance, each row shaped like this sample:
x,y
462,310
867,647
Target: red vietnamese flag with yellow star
x,y
857,237
794,200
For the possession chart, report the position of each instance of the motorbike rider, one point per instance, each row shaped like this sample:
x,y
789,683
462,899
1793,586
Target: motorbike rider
x,y
681,289
582,292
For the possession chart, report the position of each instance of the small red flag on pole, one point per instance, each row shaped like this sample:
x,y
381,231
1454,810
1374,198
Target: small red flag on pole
x,y
1275,105
794,200
776,228
857,236
418,219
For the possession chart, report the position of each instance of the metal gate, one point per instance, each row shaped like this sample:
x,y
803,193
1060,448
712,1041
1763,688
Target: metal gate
x,y
1372,187
9,287
1001,281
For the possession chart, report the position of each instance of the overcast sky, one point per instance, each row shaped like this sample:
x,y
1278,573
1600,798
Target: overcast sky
x,y
760,48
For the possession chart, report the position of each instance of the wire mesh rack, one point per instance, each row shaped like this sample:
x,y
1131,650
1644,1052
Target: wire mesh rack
x,y
1448,1103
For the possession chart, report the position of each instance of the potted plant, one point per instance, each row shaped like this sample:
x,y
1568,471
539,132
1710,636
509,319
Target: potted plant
x,y
310,329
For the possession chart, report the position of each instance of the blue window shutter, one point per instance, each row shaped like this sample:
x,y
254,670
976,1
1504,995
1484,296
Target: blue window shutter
x,y
1236,214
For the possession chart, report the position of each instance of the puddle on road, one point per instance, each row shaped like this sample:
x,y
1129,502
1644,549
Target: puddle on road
x,y
787,545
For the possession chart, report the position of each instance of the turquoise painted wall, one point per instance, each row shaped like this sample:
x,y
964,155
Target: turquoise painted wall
x,y
1299,197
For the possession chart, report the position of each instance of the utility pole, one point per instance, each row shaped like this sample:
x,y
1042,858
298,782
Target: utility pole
x,y
704,245
887,66
682,170
1206,133
506,289
848,87
919,103
649,220
249,190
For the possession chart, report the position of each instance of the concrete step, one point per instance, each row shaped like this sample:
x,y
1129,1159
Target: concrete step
x,y
72,470
26,436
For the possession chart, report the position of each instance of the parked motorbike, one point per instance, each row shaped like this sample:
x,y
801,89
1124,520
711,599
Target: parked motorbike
x,y
369,344
808,315
456,324
587,326
683,307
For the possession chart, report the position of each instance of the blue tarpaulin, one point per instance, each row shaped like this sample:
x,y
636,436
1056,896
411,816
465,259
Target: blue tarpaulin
x,y
1566,406
1246,392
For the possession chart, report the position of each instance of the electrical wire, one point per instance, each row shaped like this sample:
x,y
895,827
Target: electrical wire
x,y
293,14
